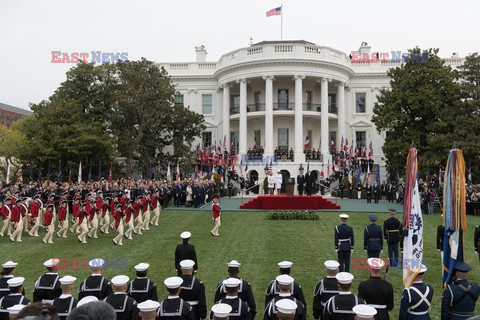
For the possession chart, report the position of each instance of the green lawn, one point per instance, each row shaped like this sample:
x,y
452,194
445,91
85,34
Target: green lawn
x,y
257,243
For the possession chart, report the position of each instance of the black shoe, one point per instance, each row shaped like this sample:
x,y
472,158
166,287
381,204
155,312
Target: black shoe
x,y
114,242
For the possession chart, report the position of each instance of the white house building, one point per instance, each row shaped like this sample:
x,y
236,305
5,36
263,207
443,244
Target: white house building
x,y
275,94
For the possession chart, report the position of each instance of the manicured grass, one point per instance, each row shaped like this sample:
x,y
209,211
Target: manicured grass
x,y
257,243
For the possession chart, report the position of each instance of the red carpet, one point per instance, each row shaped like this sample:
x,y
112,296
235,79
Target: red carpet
x,y
284,202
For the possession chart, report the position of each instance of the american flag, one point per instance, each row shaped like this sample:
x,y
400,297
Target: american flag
x,y
274,12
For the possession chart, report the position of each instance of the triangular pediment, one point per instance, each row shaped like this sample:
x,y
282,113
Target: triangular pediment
x,y
361,123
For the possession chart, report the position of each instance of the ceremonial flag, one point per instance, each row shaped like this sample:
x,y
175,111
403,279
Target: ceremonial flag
x,y
255,144
454,214
20,175
345,147
367,178
274,12
8,171
60,175
370,152
70,175
225,141
388,175
48,172
358,175
169,174
362,152
412,222
350,176
99,175
306,145
110,173
341,144
322,172
90,172
178,172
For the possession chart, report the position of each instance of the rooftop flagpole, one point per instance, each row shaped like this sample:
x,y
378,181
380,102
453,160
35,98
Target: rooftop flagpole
x,y
281,22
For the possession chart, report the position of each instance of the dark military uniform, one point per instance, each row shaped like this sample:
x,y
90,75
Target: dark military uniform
x,y
392,231
415,302
301,183
324,290
377,293
4,289
458,300
95,285
369,190
295,291
476,239
125,307
193,292
339,307
184,252
440,236
175,309
239,311
142,289
271,310
372,240
245,293
344,241
64,305
47,288
9,301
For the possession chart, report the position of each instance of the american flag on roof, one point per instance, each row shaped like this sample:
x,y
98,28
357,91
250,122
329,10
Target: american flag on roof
x,y
274,12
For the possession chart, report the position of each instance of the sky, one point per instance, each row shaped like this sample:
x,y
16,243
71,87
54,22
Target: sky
x,y
168,31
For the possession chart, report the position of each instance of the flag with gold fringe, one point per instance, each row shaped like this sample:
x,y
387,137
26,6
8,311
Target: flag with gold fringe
x,y
412,222
454,213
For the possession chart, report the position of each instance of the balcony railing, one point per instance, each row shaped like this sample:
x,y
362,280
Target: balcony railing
x,y
278,106
283,106
255,107
234,110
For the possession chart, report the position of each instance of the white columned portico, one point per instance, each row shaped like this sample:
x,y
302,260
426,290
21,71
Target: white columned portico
x,y
243,117
226,116
268,115
324,120
298,150
341,112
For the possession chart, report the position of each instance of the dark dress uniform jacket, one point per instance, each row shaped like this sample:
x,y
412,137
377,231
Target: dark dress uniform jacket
x,y
125,307
245,293
142,289
47,287
372,238
240,310
392,230
458,300
96,286
4,289
183,252
175,309
193,292
324,290
64,306
377,293
10,301
344,239
339,307
271,310
416,302
296,292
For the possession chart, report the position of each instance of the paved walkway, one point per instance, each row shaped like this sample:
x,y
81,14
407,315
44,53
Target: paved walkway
x,y
346,205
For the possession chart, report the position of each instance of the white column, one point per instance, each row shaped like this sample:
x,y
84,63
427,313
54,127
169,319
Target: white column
x,y
226,116
268,115
298,149
324,121
341,113
243,117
